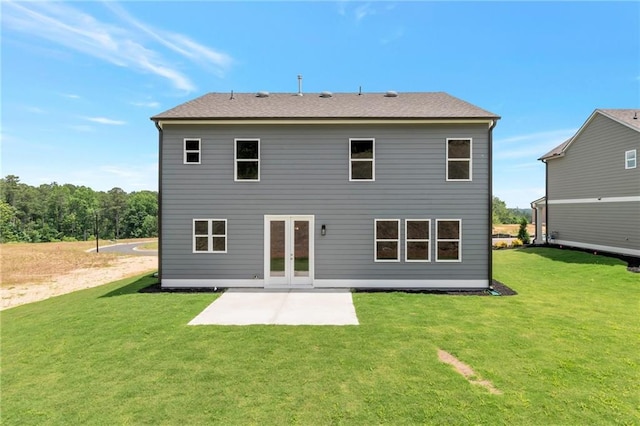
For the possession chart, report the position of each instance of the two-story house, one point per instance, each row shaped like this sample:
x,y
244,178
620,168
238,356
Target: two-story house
x,y
375,190
593,186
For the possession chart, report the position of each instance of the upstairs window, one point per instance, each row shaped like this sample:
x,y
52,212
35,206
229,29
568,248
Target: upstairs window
x,y
416,241
449,237
210,235
630,159
247,159
459,159
387,240
361,159
192,151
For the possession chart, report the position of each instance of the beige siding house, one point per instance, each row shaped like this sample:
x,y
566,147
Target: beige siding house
x,y
593,186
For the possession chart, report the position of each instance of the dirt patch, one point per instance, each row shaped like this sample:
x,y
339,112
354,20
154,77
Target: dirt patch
x,y
467,372
79,279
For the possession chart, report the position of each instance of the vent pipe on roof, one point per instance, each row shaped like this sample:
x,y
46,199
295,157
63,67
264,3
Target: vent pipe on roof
x,y
299,85
360,91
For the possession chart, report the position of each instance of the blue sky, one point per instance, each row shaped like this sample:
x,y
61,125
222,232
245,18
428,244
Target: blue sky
x,y
81,79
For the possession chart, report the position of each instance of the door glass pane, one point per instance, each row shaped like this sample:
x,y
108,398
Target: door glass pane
x,y
301,248
277,248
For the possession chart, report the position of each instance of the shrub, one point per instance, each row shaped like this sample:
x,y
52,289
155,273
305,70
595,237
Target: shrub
x,y
523,234
500,245
517,243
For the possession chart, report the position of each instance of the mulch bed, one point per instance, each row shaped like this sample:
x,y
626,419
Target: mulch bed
x,y
496,286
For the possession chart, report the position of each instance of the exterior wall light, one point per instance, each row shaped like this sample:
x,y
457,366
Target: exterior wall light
x,y
323,230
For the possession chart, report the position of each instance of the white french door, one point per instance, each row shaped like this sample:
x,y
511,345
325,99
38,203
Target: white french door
x,y
288,250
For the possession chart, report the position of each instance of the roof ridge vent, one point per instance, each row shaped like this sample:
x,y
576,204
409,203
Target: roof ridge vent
x,y
391,94
326,94
262,94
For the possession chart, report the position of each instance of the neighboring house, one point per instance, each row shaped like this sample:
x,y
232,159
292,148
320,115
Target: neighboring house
x,y
325,190
593,185
538,218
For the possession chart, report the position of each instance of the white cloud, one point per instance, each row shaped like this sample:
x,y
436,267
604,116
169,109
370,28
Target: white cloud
x,y
148,104
396,35
520,197
130,177
531,145
363,11
82,128
35,110
70,95
128,43
104,120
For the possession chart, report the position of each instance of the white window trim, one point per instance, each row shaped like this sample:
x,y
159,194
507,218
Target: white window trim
x,y
372,160
236,160
458,240
416,240
470,159
376,240
209,236
631,155
190,151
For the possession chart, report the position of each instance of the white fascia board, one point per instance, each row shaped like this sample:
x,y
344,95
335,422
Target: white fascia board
x,y
632,199
597,247
286,121
326,283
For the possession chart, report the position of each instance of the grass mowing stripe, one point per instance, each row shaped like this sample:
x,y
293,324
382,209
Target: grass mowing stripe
x,y
563,351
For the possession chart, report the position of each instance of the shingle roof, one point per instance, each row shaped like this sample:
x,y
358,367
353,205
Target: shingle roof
x,y
427,105
555,151
627,117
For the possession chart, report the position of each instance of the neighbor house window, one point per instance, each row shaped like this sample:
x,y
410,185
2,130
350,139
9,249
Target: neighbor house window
x,y
247,159
448,239
361,159
416,241
387,240
630,159
459,159
210,235
192,151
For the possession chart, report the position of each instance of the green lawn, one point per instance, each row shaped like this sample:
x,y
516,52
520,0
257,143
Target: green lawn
x,y
565,350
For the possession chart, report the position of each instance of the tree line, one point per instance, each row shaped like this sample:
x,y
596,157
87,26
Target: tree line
x,y
53,212
504,215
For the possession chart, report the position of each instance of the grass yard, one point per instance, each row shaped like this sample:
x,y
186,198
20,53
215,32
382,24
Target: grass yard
x,y
149,246
565,350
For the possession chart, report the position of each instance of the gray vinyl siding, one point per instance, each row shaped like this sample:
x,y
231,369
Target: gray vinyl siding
x,y
593,165
304,170
606,224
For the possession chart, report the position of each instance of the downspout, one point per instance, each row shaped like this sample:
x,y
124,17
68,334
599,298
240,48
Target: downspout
x,y
160,138
546,201
490,230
